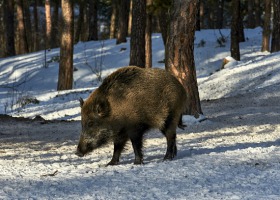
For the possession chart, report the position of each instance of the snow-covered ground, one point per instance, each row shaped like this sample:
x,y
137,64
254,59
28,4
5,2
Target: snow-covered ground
x,y
234,154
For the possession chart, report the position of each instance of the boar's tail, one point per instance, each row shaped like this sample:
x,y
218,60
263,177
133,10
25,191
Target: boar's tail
x,y
180,124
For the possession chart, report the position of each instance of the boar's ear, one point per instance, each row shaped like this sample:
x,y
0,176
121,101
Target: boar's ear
x,y
81,101
102,108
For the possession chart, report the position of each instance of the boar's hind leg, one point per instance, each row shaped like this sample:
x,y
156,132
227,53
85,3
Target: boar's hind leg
x,y
118,148
169,131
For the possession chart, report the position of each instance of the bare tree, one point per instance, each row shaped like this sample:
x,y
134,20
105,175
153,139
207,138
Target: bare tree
x,y
36,34
65,77
266,26
180,50
234,33
137,42
275,41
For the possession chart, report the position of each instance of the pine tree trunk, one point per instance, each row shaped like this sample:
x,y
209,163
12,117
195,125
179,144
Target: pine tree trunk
x,y
180,50
266,26
28,27
275,41
9,26
113,20
80,21
251,17
163,22
234,33
137,41
148,37
220,14
2,31
36,34
93,27
258,13
55,30
48,24
22,45
65,79
130,17
122,21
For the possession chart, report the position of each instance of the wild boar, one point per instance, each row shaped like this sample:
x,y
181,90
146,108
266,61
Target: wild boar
x,y
129,102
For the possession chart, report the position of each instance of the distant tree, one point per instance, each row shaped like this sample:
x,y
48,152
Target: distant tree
x,y
266,26
148,35
234,33
93,19
80,20
251,16
180,50
48,24
28,27
22,44
123,6
55,24
258,13
9,27
220,14
113,24
137,41
36,33
275,41
65,77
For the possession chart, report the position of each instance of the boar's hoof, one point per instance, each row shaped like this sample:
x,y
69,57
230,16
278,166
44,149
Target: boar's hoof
x,y
138,162
78,153
112,162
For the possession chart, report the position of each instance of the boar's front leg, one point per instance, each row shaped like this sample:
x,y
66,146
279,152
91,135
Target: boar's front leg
x,y
118,148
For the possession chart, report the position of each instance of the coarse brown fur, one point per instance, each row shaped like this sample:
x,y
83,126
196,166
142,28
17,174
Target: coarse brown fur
x,y
128,103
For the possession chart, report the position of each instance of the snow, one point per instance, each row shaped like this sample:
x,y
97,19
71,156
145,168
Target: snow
x,y
230,152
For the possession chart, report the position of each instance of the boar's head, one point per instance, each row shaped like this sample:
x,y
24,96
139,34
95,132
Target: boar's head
x,y
96,130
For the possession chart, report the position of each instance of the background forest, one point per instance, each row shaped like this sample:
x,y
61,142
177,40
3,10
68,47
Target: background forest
x,y
32,25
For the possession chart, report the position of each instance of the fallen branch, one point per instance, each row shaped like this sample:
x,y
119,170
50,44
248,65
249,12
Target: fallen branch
x,y
52,174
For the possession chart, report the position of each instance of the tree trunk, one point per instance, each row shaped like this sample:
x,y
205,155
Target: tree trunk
x,y
122,21
36,34
130,17
48,24
65,79
241,34
220,14
234,33
180,50
22,45
266,26
258,13
93,27
9,26
148,36
55,30
137,41
2,31
251,17
275,41
80,21
163,22
113,20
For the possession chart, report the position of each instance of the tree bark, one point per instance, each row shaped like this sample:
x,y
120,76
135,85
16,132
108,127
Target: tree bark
x,y
22,45
113,20
275,41
65,78
266,26
148,36
80,21
36,34
251,17
48,24
93,18
122,21
180,50
137,41
55,25
234,36
9,26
